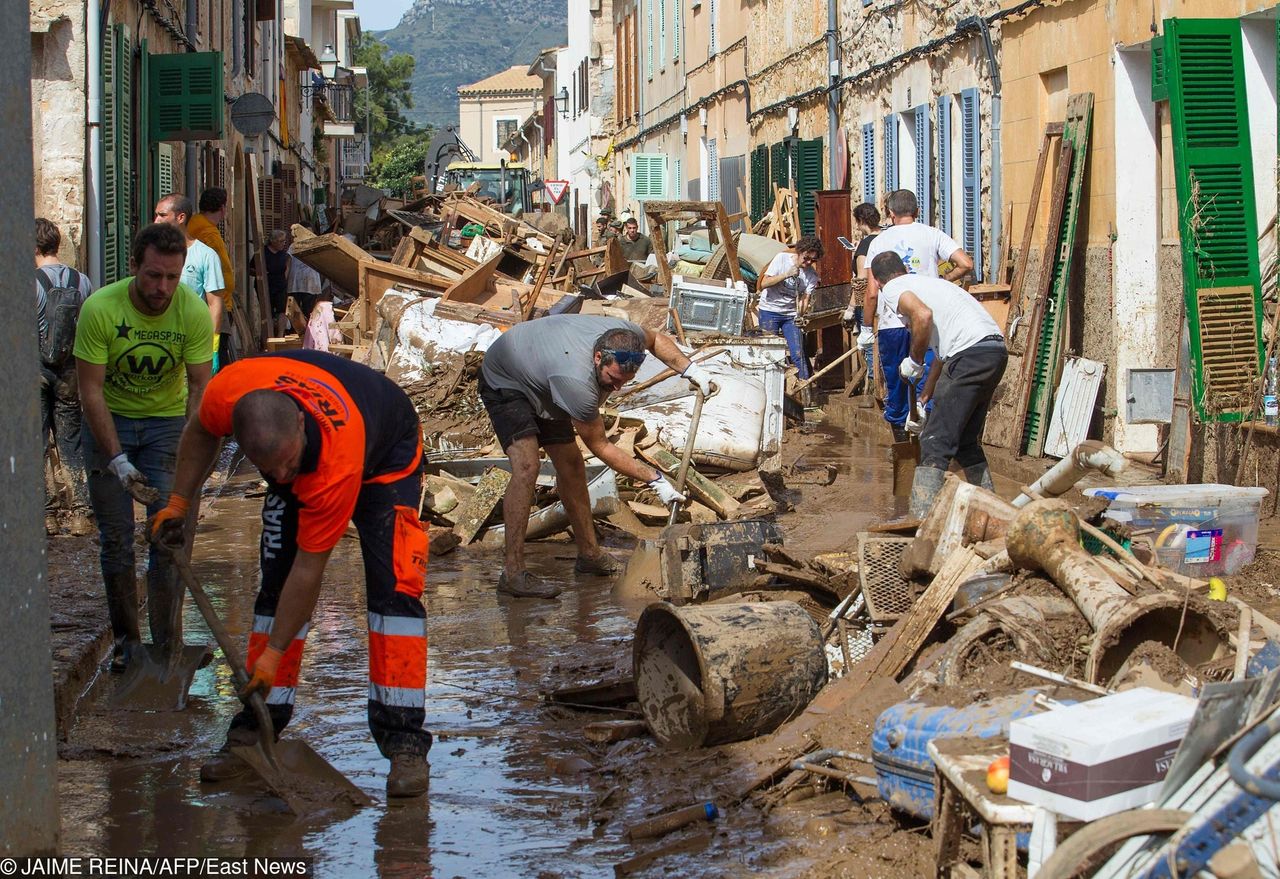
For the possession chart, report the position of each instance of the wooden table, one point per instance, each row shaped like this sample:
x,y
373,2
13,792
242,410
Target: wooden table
x,y
960,777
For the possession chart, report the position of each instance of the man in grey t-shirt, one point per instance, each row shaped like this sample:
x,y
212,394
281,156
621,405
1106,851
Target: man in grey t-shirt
x,y
541,382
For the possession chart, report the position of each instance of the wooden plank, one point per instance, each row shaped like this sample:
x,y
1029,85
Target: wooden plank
x,y
474,284
537,284
332,256
475,510
926,612
729,242
702,488
1047,144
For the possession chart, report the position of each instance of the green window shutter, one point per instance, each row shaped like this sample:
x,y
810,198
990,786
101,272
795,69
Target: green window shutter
x,y
186,95
164,169
111,248
808,181
649,176
1159,76
123,217
760,202
780,174
1217,221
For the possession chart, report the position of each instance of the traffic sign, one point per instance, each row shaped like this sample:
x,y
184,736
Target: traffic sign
x,y
556,189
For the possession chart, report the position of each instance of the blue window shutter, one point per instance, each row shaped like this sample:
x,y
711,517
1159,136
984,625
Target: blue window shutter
x,y
924,182
869,162
971,178
890,152
944,163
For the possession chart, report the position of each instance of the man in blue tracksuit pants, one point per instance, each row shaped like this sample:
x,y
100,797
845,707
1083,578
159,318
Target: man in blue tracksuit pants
x,y
921,249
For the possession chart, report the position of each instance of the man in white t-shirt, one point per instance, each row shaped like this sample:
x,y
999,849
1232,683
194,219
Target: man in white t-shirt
x,y
785,287
921,248
971,358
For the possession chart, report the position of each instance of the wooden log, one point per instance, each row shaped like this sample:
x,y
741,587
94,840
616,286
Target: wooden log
x,y
475,511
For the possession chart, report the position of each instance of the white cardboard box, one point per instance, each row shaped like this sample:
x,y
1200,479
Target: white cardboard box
x,y
1099,757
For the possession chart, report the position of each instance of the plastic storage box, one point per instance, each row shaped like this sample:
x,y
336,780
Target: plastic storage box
x,y
1200,530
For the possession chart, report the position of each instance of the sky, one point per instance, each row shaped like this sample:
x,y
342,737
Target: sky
x,y
381,15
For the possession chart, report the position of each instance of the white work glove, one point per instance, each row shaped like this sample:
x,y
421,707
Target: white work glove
x,y
867,340
848,316
910,370
698,377
129,475
666,491
916,420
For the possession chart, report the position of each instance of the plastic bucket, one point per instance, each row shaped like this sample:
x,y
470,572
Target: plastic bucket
x,y
717,673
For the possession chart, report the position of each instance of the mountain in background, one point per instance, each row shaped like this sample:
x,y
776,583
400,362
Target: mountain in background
x,y
458,42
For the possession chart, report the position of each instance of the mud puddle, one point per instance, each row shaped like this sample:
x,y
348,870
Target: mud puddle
x,y
516,790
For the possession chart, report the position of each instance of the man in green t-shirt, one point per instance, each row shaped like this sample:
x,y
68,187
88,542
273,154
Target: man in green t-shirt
x,y
143,351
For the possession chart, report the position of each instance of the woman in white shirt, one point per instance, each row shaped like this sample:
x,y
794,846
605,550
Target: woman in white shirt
x,y
785,288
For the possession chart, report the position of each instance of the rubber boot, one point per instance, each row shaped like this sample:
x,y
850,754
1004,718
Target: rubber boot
x,y
164,608
410,776
122,608
924,488
979,475
222,764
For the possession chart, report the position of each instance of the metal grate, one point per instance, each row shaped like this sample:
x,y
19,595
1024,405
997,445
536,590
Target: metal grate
x,y
889,595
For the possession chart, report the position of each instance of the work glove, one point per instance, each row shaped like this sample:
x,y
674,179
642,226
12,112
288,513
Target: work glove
x,y
698,377
264,673
166,527
130,477
916,420
867,341
910,370
666,491
849,318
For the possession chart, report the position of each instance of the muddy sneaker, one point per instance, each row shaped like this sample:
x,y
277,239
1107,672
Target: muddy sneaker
x,y
410,776
526,585
603,564
223,766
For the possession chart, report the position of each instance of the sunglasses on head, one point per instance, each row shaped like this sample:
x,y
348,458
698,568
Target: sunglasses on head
x,y
629,360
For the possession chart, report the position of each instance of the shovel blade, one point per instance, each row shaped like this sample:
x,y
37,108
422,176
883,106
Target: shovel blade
x,y
905,457
156,682
302,778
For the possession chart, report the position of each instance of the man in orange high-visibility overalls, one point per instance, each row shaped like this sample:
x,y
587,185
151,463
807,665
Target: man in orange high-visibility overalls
x,y
337,443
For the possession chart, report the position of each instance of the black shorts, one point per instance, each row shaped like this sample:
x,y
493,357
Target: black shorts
x,y
513,418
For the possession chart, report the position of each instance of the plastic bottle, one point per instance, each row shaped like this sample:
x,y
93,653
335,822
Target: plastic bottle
x,y
1270,390
663,824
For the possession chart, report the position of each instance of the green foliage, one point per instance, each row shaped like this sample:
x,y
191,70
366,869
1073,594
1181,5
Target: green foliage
x,y
380,106
395,165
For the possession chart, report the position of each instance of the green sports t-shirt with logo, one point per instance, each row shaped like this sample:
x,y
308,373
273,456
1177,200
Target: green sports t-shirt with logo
x,y
146,357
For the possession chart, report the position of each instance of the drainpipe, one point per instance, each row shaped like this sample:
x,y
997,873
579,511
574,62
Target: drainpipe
x,y
542,147
192,25
833,93
93,227
997,206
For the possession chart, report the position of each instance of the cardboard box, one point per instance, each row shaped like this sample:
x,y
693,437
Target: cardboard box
x,y
1100,757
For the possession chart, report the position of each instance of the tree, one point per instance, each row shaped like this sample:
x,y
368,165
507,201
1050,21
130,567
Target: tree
x,y
379,106
394,167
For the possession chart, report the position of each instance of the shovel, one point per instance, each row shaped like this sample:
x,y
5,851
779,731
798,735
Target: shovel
x,y
158,676
293,770
683,472
906,455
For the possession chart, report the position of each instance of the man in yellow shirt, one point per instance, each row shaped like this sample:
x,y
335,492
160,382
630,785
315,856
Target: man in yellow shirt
x,y
143,351
203,227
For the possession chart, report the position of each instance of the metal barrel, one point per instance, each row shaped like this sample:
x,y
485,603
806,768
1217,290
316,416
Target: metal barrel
x,y
717,673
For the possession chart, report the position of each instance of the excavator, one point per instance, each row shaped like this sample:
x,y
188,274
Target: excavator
x,y
451,161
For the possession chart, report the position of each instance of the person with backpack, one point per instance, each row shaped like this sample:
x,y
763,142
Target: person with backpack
x,y
60,291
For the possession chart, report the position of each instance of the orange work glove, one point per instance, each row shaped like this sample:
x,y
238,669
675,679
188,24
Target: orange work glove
x,y
264,673
167,525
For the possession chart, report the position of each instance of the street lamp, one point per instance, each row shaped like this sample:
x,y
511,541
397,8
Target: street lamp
x,y
328,61
562,102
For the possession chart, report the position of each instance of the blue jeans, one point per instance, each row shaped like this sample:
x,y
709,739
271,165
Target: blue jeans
x,y
152,447
895,346
785,325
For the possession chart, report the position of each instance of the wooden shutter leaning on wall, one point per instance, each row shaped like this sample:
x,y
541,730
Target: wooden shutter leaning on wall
x,y
1217,222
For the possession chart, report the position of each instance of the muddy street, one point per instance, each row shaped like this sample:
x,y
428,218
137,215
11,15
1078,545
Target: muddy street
x,y
515,787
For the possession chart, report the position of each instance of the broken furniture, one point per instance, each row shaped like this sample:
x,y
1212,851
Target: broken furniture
x,y
660,213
